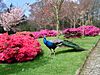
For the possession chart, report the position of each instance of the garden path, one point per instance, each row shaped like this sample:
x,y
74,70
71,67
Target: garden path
x,y
92,64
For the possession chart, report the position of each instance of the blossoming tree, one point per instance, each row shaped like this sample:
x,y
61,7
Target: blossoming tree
x,y
11,18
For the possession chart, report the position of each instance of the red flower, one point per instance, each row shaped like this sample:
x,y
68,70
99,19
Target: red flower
x,y
18,48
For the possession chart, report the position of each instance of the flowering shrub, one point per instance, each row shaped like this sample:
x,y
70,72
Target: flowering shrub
x,y
39,34
77,32
52,33
25,33
45,32
72,32
36,34
18,48
89,30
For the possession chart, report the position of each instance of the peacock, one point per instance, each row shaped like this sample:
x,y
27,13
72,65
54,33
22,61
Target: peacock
x,y
52,45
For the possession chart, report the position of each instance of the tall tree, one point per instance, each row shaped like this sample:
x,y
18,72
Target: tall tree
x,y
85,9
47,11
71,11
57,4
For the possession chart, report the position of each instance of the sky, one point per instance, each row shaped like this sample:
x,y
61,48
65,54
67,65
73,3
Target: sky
x,y
20,3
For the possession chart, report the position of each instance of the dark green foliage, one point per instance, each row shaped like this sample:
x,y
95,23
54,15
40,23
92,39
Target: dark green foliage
x,y
26,26
2,30
96,23
64,24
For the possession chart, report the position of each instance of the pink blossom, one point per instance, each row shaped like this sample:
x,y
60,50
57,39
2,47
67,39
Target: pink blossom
x,y
42,33
88,30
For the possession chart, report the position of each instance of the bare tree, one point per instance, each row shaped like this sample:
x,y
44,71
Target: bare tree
x,y
71,11
85,9
47,12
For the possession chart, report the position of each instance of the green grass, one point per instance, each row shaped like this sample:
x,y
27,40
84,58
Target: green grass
x,y
66,61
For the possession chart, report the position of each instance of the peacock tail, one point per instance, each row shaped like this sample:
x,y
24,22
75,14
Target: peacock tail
x,y
71,44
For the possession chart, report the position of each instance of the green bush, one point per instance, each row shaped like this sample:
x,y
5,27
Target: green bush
x,y
1,29
26,26
96,23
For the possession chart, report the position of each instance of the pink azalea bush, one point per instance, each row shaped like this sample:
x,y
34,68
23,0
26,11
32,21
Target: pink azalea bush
x,y
52,33
18,48
45,32
36,34
72,32
89,30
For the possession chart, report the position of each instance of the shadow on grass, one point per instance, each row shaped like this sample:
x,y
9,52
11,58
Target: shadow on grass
x,y
7,69
69,50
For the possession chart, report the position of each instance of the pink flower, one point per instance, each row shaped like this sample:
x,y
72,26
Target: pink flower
x,y
88,30
42,33
72,33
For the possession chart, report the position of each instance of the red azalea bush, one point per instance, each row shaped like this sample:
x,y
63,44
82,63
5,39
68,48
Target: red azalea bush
x,y
25,33
39,34
18,48
89,30
71,33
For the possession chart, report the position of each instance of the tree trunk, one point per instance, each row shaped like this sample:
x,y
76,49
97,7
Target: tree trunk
x,y
57,20
74,23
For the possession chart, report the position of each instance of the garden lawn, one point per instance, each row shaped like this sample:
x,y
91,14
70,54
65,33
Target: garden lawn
x,y
66,62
